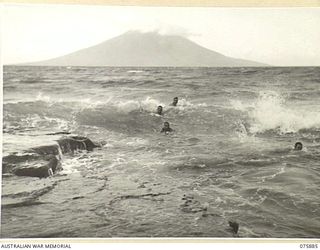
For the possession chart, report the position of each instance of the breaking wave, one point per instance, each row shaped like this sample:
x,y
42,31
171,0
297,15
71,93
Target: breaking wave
x,y
271,111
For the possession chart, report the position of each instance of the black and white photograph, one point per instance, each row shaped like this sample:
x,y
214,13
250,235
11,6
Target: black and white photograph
x,y
160,122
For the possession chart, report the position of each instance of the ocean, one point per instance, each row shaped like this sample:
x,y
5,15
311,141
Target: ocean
x,y
230,156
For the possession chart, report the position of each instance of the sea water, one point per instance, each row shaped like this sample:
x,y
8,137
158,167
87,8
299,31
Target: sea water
x,y
230,157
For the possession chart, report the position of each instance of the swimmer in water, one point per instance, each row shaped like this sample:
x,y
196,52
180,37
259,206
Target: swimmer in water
x,y
175,101
166,128
159,110
298,146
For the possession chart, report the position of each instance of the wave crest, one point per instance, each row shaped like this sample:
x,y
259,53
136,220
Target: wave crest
x,y
270,111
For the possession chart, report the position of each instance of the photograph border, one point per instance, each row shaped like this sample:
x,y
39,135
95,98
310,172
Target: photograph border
x,y
161,3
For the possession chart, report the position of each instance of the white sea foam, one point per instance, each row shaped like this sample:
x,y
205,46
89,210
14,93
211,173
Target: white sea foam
x,y
82,103
149,104
70,165
241,106
135,71
127,106
270,111
42,97
185,104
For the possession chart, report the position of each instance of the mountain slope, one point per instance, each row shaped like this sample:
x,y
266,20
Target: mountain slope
x,y
147,49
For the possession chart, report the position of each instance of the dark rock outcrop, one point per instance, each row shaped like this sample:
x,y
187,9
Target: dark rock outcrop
x,y
44,161
74,143
46,169
46,150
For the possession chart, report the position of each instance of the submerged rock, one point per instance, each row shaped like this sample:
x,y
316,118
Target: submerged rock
x,y
234,226
191,205
59,133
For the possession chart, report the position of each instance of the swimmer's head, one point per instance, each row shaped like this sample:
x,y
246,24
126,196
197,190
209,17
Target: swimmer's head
x,y
298,146
166,125
175,101
159,110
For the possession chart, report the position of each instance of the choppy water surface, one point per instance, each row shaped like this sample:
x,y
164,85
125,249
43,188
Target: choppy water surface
x,y
230,156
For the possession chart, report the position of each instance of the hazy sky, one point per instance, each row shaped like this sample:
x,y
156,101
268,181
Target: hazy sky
x,y
280,37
